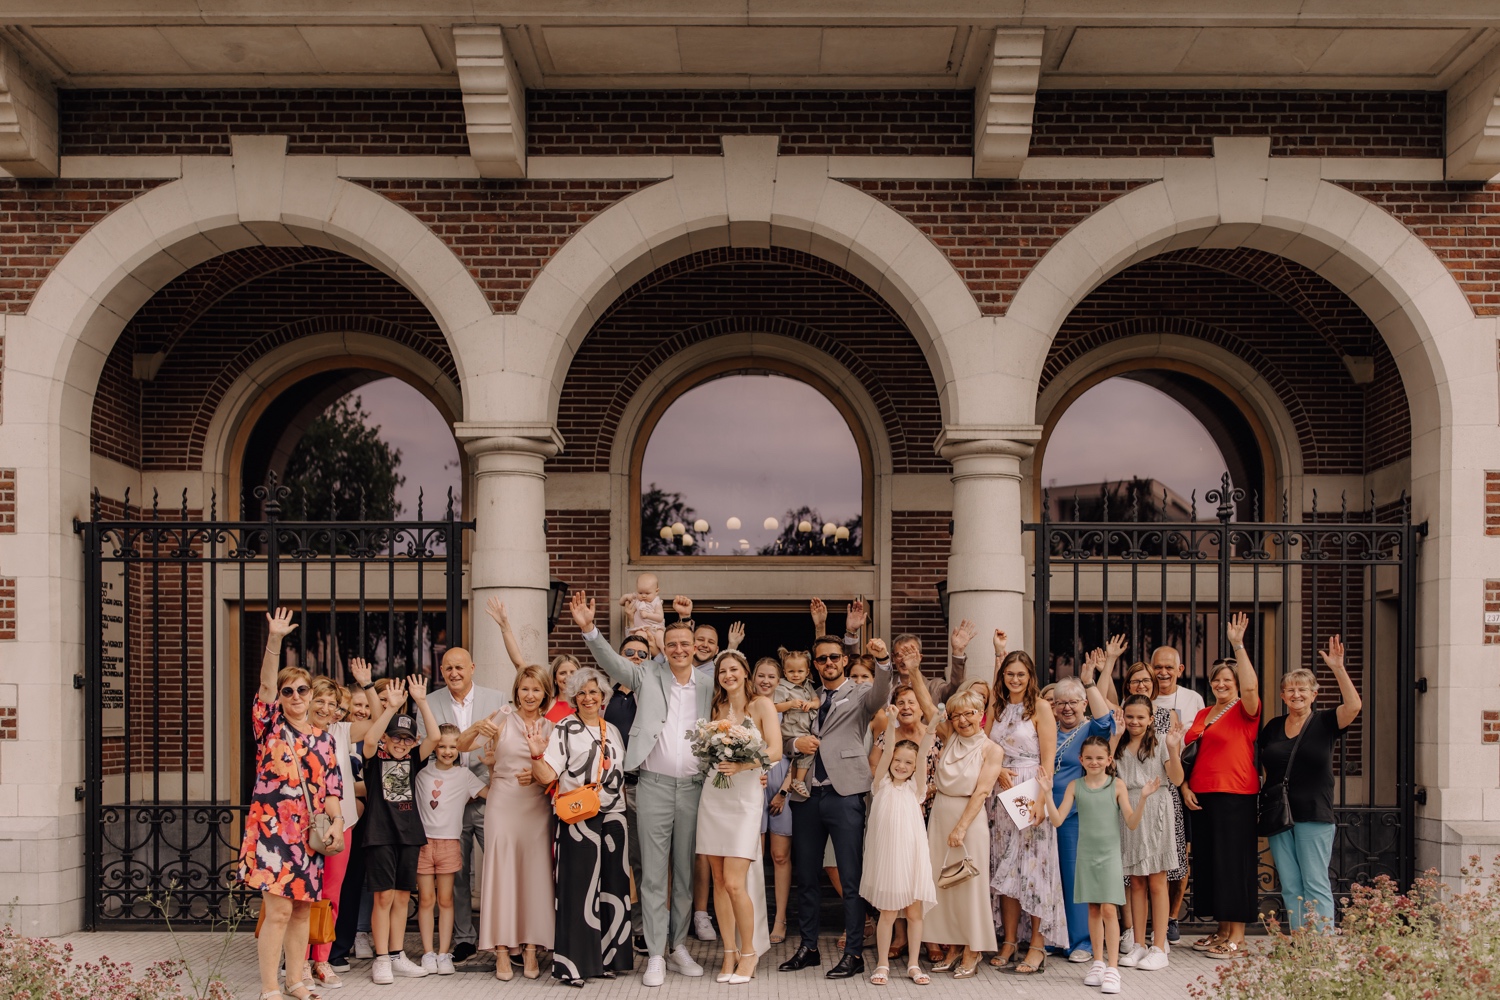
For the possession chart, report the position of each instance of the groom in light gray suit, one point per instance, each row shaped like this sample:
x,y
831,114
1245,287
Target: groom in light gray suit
x,y
670,697
464,704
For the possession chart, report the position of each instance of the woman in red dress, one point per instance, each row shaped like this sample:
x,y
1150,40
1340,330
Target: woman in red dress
x,y
275,858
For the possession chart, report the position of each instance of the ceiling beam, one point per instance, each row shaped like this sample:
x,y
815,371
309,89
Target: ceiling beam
x,y
494,101
28,118
1005,102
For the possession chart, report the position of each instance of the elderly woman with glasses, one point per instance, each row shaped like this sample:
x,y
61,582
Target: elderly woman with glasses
x,y
297,768
1071,696
591,932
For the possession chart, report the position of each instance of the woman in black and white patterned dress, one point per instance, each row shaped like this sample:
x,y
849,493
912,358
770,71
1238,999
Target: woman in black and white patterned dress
x,y
592,936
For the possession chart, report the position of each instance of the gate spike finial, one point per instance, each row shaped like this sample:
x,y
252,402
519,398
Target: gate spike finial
x,y
1286,506
419,504
1315,502
184,503
155,504
1076,515
1344,506
94,505
1372,506
1135,503
1193,498
450,503
213,503
1161,515
127,501
1104,502
1255,505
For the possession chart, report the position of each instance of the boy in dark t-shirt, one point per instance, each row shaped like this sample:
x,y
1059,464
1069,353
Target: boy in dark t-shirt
x,y
391,828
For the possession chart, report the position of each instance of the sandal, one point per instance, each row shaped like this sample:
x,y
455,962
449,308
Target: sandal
x,y
303,984
1028,967
1227,949
916,975
271,995
882,975
998,959
778,936
1205,943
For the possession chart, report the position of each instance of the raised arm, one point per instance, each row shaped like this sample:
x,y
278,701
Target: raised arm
x,y
537,741
886,750
1088,674
360,671
496,609
279,625
621,670
1057,815
1173,740
1113,650
394,698
1244,670
1131,816
1333,659
880,690
923,750
489,729
958,655
417,688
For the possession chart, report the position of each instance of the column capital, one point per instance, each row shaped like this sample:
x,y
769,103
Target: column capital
x,y
1009,440
540,439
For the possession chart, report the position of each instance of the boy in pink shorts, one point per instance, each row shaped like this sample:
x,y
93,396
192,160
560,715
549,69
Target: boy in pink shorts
x,y
443,791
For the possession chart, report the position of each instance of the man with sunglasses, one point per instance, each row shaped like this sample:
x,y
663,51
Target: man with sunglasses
x,y
838,782
620,713
670,698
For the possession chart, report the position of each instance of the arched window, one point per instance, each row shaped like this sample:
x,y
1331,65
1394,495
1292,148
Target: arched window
x,y
1148,444
347,436
750,461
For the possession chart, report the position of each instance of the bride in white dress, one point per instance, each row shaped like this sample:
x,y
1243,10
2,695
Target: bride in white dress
x,y
729,824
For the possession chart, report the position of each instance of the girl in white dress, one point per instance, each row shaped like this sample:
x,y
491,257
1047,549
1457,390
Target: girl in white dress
x,y
898,873
729,823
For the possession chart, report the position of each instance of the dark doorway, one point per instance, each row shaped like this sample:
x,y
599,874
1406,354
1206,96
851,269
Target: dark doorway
x,y
767,625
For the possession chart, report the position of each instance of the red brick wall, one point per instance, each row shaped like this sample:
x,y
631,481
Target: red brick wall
x,y
199,122
1459,222
41,220
994,232
734,289
919,559
578,545
216,319
7,607
810,123
8,722
1492,503
1184,123
1491,606
1290,325
7,501
505,231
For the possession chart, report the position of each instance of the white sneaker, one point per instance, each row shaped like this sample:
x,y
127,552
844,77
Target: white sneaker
x,y
1127,941
1095,976
1154,960
1111,983
429,963
682,963
703,928
1133,959
380,972
405,967
363,946
444,964
656,971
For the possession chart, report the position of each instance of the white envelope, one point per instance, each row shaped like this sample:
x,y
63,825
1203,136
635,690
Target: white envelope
x,y
1017,801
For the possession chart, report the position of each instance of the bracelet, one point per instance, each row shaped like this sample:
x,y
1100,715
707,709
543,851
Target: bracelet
x,y
1240,648
368,687
1091,684
537,756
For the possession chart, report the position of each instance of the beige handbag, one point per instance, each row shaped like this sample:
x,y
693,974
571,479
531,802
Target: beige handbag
x,y
956,872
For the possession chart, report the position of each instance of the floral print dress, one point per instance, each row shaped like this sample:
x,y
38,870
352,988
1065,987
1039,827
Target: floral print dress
x,y
1023,863
274,856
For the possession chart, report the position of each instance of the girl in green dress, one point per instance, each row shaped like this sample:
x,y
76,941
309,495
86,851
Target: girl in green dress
x,y
1099,879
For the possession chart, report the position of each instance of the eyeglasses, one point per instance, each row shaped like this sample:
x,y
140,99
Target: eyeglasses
x,y
1075,701
828,657
966,714
634,653
300,691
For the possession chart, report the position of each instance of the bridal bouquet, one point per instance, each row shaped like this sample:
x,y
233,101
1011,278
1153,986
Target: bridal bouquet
x,y
715,743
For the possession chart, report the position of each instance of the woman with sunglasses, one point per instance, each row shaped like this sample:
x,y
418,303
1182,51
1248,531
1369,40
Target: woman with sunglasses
x,y
296,762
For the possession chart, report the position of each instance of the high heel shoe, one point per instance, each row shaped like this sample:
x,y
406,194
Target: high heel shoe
x,y
947,964
531,969
724,977
505,971
1028,968
1000,960
737,979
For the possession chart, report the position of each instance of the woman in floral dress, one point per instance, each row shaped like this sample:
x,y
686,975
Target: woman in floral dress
x,y
275,858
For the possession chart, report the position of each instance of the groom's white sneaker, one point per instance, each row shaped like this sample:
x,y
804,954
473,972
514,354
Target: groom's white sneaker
x,y
656,971
682,963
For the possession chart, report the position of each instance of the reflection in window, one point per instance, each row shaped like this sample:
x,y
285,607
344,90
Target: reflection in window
x,y
751,464
1127,450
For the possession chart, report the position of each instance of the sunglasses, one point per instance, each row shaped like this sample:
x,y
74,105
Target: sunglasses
x,y
300,691
828,657
635,653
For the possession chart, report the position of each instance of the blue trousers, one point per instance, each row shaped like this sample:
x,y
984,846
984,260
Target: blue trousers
x,y
842,817
1302,855
1077,913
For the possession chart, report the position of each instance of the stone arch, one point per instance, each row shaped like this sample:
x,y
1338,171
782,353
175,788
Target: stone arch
x,y
750,197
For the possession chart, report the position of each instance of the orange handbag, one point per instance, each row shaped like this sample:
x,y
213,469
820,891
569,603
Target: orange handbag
x,y
320,926
583,802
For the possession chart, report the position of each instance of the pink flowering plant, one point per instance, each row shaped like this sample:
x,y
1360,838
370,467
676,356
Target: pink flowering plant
x,y
38,969
1432,943
722,742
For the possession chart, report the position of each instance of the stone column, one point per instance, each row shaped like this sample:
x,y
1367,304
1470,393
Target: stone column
x,y
508,557
987,568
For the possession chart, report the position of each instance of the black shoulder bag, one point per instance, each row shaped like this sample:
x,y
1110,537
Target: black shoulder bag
x,y
1275,800
1189,755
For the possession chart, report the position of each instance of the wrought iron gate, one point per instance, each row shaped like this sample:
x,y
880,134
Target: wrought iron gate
x,y
174,627
1176,583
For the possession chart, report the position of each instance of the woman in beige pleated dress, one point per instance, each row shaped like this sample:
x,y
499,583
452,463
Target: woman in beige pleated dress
x,y
964,777
515,912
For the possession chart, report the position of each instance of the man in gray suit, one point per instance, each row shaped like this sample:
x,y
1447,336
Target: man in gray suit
x,y
838,781
467,706
670,698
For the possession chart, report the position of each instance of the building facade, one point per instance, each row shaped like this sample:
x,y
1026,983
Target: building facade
x,y
551,222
